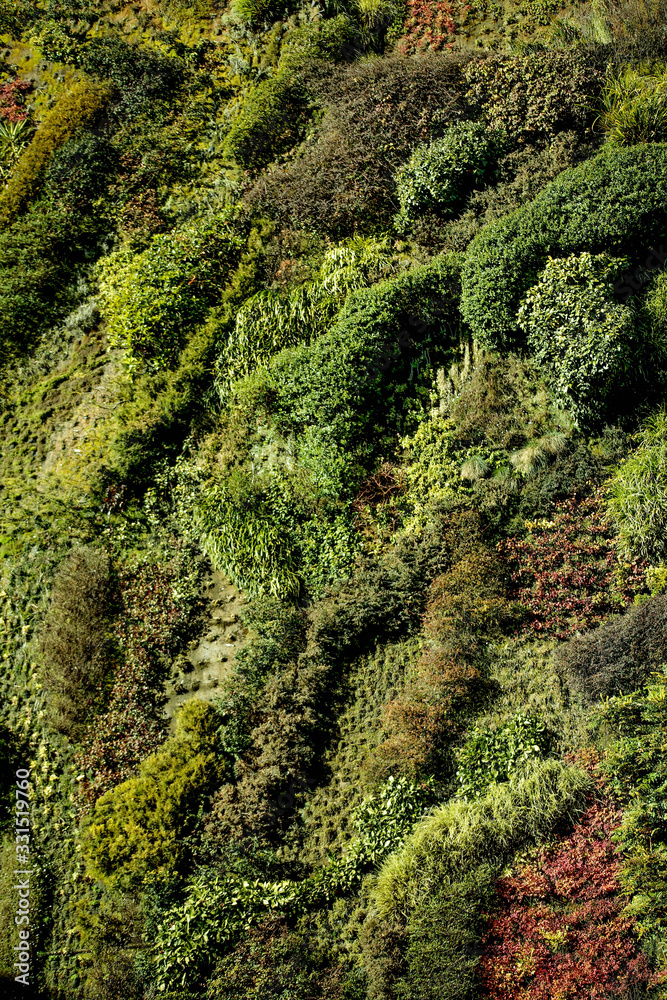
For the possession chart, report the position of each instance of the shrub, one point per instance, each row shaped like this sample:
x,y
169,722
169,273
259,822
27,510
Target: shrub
x,y
150,299
139,825
79,171
441,174
492,755
634,107
139,75
76,109
75,644
425,26
535,94
576,331
612,203
566,570
637,502
271,120
620,654
560,927
343,182
438,885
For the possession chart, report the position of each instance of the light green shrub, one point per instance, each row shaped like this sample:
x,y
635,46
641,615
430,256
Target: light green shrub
x,y
634,107
460,834
637,501
440,175
151,299
270,122
138,826
579,334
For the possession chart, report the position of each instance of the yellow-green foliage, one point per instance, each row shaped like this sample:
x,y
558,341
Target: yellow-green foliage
x,y
137,827
459,835
634,107
76,109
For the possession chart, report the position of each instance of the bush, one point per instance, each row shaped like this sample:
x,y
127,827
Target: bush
x,y
76,109
343,182
139,826
491,756
272,120
634,107
440,175
79,172
76,648
577,332
139,75
440,879
535,94
613,203
637,501
151,299
620,654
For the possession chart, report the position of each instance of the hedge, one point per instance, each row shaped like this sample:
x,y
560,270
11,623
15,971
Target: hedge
x,y
615,202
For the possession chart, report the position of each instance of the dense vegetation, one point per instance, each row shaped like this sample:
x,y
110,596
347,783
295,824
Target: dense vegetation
x,y
350,317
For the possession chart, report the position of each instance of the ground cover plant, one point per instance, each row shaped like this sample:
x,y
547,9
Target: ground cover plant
x,y
332,500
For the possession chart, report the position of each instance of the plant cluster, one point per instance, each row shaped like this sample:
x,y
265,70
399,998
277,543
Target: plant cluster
x,y
565,571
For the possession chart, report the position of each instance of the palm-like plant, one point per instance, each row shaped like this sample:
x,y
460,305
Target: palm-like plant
x,y
14,137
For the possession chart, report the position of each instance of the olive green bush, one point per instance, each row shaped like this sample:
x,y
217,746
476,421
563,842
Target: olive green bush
x,y
75,645
272,120
151,299
612,203
441,174
577,332
77,108
138,826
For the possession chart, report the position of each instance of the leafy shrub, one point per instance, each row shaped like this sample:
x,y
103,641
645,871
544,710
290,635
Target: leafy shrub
x,y
258,11
490,756
634,107
612,203
577,332
361,136
560,926
151,298
271,121
620,654
441,878
139,75
637,502
79,171
441,174
76,109
137,826
535,94
75,642
566,570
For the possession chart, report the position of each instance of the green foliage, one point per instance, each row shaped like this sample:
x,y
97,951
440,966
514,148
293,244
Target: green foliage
x,y
634,107
141,76
440,175
493,755
138,826
79,171
76,109
14,138
577,332
612,203
441,877
151,299
269,321
637,501
258,11
271,121
535,94
75,640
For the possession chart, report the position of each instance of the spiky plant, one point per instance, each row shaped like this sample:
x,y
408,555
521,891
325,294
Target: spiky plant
x,y
475,468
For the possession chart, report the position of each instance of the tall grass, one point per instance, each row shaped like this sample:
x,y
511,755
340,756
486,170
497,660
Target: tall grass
x,y
634,107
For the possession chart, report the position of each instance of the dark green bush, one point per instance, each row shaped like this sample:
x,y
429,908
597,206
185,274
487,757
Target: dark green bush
x,y
140,75
79,171
376,112
270,122
76,649
620,654
613,203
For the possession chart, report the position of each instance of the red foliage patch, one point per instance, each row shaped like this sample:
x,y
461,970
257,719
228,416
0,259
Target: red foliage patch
x,y
566,572
560,932
429,25
12,100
